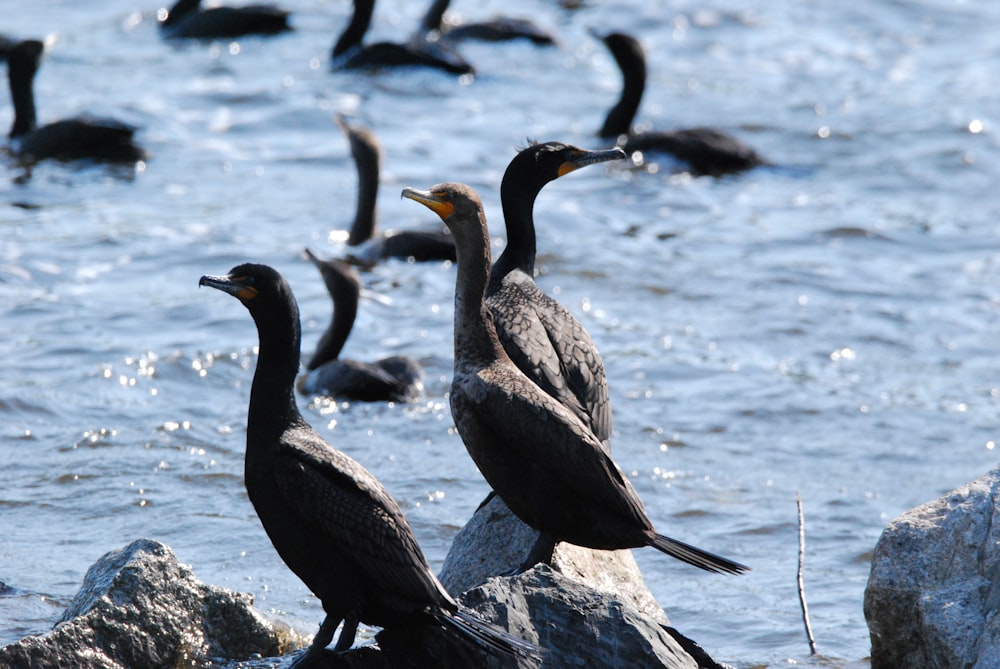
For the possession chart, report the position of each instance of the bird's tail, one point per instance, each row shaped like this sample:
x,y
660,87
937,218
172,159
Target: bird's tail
x,y
489,636
696,556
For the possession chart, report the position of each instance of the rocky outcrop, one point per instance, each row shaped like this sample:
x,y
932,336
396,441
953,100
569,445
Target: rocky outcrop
x,y
139,607
933,596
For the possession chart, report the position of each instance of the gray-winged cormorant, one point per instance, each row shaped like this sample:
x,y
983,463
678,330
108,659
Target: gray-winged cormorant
x,y
350,53
186,19
330,520
80,138
420,245
541,336
707,151
543,462
394,379
499,29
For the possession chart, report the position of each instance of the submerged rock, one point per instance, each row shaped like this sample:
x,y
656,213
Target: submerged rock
x,y
933,595
139,607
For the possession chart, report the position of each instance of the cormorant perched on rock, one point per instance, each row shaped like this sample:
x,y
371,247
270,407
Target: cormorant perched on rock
x,y
706,150
541,336
539,457
80,138
350,53
393,379
420,245
499,29
186,19
330,520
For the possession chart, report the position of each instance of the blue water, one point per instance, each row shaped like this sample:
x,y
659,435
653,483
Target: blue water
x,y
823,327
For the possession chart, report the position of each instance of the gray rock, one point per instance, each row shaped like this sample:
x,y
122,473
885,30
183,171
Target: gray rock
x,y
933,594
495,541
139,607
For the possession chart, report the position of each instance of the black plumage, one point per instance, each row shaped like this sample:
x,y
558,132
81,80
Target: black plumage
x,y
186,19
539,457
330,520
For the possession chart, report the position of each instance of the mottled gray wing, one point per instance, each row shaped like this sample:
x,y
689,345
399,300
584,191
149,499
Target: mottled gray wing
x,y
349,504
553,349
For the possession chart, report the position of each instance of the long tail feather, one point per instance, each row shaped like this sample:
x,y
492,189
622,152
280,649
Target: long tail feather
x,y
696,556
489,636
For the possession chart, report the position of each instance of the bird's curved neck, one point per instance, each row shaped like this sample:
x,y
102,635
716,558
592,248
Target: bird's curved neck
x,y
181,9
517,196
356,29
366,216
620,117
434,16
22,93
272,394
476,341
345,310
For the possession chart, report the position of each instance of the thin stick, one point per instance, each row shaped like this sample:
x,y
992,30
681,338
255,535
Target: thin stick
x,y
802,589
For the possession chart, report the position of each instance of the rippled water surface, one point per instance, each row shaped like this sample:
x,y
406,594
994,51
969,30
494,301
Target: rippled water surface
x,y
824,327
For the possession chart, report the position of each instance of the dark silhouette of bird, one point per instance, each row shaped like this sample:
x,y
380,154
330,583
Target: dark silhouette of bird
x,y
499,29
707,151
539,334
80,138
330,520
350,53
539,457
186,19
393,379
369,245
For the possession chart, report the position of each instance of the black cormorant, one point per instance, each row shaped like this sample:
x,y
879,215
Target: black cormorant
x,y
393,379
330,520
706,150
186,19
80,138
543,462
499,29
349,52
420,245
541,336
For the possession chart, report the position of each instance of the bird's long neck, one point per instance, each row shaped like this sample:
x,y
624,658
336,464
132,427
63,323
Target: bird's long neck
x,y
356,29
619,119
366,216
345,310
272,395
181,9
435,14
517,196
21,80
476,342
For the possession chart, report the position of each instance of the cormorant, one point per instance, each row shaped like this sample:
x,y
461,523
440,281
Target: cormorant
x,y
708,151
541,336
499,29
348,52
80,138
393,379
330,520
420,245
186,19
539,457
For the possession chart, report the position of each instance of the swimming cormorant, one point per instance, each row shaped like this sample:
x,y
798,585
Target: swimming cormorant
x,y
499,29
330,520
349,53
541,336
542,461
393,379
420,245
186,19
80,138
708,151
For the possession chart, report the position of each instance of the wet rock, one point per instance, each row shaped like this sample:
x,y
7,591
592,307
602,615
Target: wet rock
x,y
933,594
139,607
495,542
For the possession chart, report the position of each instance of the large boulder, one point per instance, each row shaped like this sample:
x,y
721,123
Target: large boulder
x,y
495,542
139,607
933,595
